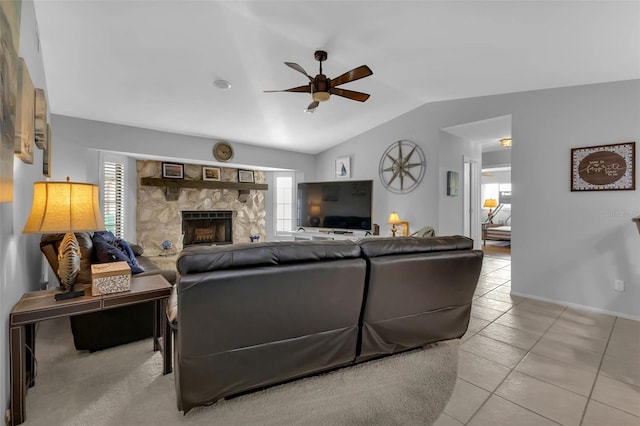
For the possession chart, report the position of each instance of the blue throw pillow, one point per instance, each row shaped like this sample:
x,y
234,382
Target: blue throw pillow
x,y
106,252
106,236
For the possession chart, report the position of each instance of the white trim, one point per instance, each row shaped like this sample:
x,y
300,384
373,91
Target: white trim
x,y
576,306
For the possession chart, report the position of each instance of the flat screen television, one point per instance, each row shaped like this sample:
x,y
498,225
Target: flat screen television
x,y
336,205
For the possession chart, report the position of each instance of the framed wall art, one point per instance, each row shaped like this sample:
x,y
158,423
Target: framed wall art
x,y
10,12
245,176
452,183
40,120
211,173
343,167
172,171
603,167
25,137
46,155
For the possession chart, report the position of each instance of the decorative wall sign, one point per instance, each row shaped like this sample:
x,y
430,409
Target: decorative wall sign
x,y
343,167
25,137
402,167
603,167
40,121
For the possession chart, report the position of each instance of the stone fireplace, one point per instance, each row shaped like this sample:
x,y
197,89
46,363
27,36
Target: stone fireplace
x,y
160,219
207,227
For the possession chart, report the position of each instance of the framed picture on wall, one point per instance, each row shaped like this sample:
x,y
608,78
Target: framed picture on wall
x,y
211,173
172,171
25,112
46,155
343,167
245,176
452,183
603,167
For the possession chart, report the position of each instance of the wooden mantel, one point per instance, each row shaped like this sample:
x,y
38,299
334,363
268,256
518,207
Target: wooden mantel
x,y
201,184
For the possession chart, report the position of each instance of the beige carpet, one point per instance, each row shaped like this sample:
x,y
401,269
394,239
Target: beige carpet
x,y
124,386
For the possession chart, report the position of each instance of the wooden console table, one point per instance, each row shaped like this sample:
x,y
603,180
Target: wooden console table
x,y
38,306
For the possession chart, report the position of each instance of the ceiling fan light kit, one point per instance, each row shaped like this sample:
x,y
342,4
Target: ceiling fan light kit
x,y
321,87
505,142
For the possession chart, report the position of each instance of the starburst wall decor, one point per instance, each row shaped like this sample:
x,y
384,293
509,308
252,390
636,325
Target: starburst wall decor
x,y
402,167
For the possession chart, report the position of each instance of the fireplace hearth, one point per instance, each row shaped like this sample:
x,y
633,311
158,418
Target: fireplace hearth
x,y
207,227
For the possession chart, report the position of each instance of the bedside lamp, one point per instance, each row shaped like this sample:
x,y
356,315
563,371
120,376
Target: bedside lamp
x,y
67,207
394,220
491,203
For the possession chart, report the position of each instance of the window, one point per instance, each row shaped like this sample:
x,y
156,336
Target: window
x,y
284,202
494,190
113,198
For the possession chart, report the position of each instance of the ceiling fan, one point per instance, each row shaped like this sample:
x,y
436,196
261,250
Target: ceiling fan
x,y
321,87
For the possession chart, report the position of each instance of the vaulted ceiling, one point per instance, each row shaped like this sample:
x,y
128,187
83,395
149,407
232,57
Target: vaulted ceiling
x,y
152,64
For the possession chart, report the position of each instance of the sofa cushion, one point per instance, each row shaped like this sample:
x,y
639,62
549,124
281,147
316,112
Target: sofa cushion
x,y
391,246
137,250
196,259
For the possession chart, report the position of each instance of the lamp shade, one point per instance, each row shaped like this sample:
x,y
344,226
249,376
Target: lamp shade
x,y
64,207
490,203
394,219
315,210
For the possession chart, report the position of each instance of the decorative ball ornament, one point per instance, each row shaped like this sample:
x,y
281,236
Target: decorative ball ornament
x,y
402,167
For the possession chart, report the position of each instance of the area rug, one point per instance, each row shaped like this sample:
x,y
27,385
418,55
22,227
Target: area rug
x,y
124,386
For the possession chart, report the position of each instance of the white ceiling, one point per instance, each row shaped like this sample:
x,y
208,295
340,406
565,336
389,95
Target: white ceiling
x,y
152,64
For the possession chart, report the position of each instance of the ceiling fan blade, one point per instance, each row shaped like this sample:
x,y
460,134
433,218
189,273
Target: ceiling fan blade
x,y
302,89
298,68
350,94
355,74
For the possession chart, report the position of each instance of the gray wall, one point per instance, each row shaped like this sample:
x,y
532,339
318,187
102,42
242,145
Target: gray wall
x,y
567,247
496,158
79,144
421,206
21,265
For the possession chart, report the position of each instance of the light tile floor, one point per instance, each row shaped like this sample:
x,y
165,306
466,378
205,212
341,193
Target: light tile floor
x,y
526,362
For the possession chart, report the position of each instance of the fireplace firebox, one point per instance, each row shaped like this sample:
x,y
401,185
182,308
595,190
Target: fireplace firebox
x,y
207,227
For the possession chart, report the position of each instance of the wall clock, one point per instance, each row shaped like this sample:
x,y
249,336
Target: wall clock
x,y
222,151
402,167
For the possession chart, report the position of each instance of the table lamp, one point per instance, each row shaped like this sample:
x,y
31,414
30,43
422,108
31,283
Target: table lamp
x,y
394,220
490,203
67,207
637,221
315,211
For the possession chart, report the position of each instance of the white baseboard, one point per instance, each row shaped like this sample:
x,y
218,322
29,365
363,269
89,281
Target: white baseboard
x,y
576,306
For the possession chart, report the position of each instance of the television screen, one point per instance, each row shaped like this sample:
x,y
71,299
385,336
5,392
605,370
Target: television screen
x,y
336,205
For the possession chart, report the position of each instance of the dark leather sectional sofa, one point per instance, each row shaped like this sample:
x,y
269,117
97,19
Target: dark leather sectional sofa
x,y
248,316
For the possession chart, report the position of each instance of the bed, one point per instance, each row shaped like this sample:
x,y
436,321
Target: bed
x,y
497,233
